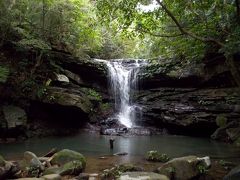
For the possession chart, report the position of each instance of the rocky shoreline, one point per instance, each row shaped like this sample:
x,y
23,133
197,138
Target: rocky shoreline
x,y
68,164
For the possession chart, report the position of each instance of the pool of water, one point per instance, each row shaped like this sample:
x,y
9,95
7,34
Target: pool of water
x,y
94,145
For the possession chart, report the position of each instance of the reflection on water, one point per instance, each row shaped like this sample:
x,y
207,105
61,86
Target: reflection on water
x,y
96,145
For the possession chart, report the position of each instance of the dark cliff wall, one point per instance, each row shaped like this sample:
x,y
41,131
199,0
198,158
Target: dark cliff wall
x,y
188,99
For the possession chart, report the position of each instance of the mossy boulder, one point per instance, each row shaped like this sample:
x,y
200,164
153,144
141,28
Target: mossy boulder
x,y
72,168
52,170
185,168
65,156
157,157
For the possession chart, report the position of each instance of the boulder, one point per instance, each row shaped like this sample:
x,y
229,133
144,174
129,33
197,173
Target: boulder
x,y
32,161
62,78
14,116
52,177
65,156
72,168
234,174
185,168
142,176
32,164
8,169
52,170
74,77
230,131
82,176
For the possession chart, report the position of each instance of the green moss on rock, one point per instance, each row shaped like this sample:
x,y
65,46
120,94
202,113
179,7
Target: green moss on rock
x,y
157,157
66,155
72,168
221,120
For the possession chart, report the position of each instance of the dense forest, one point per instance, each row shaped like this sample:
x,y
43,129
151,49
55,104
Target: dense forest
x,y
116,29
156,80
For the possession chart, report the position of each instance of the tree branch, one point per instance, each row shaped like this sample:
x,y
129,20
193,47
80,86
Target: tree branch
x,y
161,35
184,31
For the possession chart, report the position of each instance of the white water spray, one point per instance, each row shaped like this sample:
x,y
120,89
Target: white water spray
x,y
123,80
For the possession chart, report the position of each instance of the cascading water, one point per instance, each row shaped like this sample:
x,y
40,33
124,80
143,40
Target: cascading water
x,y
123,80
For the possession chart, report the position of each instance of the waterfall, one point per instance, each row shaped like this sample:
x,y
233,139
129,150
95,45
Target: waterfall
x,y
123,79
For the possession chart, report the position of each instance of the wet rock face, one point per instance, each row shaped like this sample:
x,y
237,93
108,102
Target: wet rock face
x,y
13,121
14,116
188,111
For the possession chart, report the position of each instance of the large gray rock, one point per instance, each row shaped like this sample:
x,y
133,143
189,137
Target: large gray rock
x,y
14,116
234,174
142,176
32,161
185,168
62,78
69,163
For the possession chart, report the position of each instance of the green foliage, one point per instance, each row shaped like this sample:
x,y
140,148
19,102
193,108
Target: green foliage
x,y
62,24
202,168
33,171
94,94
4,73
161,36
223,162
28,85
156,156
41,92
104,106
221,120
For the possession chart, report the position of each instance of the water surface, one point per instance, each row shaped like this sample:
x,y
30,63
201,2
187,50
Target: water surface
x,y
95,145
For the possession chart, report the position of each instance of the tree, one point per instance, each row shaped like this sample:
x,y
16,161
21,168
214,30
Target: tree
x,y
66,25
202,24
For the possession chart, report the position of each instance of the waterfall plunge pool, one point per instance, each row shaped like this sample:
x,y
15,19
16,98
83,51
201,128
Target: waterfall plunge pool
x,y
95,145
